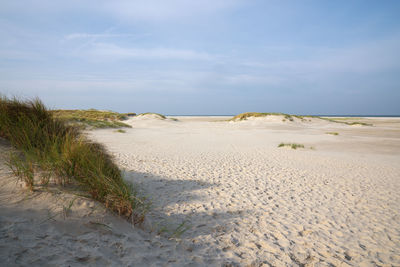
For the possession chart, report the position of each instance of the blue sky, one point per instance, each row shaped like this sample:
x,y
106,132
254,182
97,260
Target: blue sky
x,y
204,57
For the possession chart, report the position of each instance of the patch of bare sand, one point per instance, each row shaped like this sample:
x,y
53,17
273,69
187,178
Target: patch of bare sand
x,y
52,227
246,200
225,194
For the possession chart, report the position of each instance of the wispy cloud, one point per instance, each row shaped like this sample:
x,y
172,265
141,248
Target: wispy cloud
x,y
161,10
359,58
127,10
112,51
74,36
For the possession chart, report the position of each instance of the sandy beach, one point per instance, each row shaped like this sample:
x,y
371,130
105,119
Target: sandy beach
x,y
223,193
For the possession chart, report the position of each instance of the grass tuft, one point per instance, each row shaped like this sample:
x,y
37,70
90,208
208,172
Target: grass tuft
x,y
332,133
53,148
291,145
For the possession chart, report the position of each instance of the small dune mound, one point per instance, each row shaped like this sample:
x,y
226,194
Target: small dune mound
x,y
151,117
268,117
154,116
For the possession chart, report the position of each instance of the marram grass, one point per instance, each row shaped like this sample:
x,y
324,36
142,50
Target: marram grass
x,y
291,145
55,151
161,116
332,133
92,118
246,115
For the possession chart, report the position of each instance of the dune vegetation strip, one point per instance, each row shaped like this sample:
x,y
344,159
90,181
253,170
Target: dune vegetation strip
x,y
160,116
92,118
289,117
52,151
246,115
351,123
291,145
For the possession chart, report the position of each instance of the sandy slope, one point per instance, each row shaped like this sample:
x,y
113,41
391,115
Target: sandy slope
x,y
39,229
238,197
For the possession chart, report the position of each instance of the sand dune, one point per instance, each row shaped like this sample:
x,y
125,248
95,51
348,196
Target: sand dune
x,y
224,193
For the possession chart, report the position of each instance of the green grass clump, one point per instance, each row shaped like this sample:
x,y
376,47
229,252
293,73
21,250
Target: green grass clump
x,y
244,116
150,113
49,147
291,145
332,133
120,131
92,118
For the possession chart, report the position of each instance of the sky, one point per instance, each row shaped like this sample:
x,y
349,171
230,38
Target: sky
x,y
186,57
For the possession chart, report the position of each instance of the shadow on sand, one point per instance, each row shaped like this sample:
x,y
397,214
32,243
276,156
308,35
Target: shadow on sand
x,y
191,220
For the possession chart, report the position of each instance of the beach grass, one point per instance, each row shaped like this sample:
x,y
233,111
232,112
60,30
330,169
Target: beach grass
x,y
343,120
120,131
332,133
303,118
92,118
161,116
53,150
246,115
291,145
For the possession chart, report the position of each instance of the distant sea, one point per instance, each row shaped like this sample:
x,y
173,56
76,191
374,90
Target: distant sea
x,y
319,115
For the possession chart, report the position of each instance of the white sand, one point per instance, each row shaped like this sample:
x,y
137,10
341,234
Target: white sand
x,y
243,200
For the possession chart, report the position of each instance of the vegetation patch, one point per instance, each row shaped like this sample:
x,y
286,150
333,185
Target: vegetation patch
x,y
92,118
291,145
246,115
303,118
120,131
53,151
341,120
332,133
155,114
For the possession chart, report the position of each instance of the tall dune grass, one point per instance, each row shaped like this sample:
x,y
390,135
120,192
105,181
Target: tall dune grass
x,y
51,148
92,118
